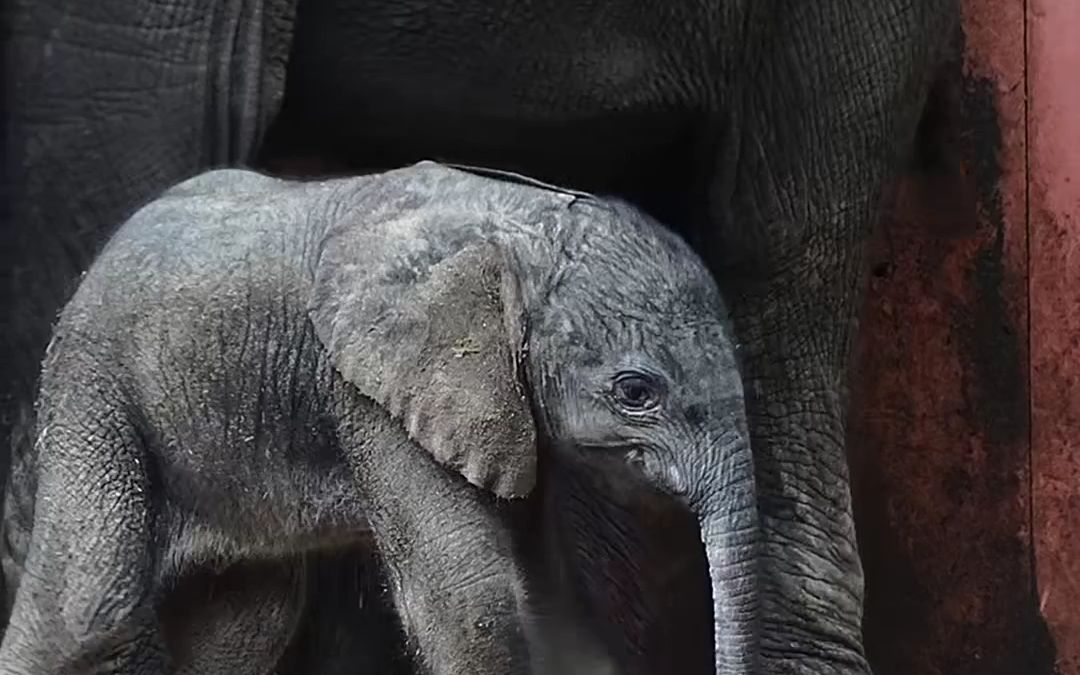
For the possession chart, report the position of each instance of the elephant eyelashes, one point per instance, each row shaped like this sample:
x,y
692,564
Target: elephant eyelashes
x,y
636,392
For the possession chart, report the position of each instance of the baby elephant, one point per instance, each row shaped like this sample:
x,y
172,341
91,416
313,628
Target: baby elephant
x,y
255,368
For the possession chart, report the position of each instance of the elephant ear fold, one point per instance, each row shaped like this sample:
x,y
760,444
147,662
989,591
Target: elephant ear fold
x,y
439,345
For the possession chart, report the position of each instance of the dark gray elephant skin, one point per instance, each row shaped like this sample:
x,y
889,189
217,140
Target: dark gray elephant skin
x,y
256,368
762,130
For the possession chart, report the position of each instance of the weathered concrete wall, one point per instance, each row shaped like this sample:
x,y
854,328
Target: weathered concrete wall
x,y
965,427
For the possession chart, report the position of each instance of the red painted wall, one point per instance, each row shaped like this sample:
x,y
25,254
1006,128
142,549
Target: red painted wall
x,y
1053,77
965,426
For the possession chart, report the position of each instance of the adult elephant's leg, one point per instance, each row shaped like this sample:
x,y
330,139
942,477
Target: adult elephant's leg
x,y
835,90
110,102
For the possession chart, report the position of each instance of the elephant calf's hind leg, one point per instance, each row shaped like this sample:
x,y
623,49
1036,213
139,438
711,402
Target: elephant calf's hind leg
x,y
85,601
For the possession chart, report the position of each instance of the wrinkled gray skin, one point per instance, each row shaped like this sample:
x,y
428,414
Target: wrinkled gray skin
x,y
255,368
762,130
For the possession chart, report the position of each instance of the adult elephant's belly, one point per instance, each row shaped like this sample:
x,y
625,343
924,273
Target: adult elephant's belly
x,y
606,98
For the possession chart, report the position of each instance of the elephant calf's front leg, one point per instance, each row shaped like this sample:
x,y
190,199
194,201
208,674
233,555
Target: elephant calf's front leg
x,y
455,582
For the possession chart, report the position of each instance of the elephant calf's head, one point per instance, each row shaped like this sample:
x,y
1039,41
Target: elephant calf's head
x,y
484,313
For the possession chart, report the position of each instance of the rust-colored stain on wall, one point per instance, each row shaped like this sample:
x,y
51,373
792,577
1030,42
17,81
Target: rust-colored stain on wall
x,y
965,424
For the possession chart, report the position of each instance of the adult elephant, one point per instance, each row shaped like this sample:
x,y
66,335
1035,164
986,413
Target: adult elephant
x,y
764,131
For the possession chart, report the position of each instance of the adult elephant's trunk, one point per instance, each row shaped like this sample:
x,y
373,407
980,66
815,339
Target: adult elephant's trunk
x,y
730,533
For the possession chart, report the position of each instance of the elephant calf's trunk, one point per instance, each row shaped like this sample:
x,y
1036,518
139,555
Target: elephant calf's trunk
x,y
731,539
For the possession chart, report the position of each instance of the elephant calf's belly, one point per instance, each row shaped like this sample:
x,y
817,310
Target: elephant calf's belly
x,y
198,540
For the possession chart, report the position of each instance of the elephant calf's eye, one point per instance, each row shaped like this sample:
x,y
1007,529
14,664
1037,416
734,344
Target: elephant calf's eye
x,y
636,392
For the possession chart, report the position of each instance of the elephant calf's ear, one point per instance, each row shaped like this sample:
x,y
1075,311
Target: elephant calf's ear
x,y
441,350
